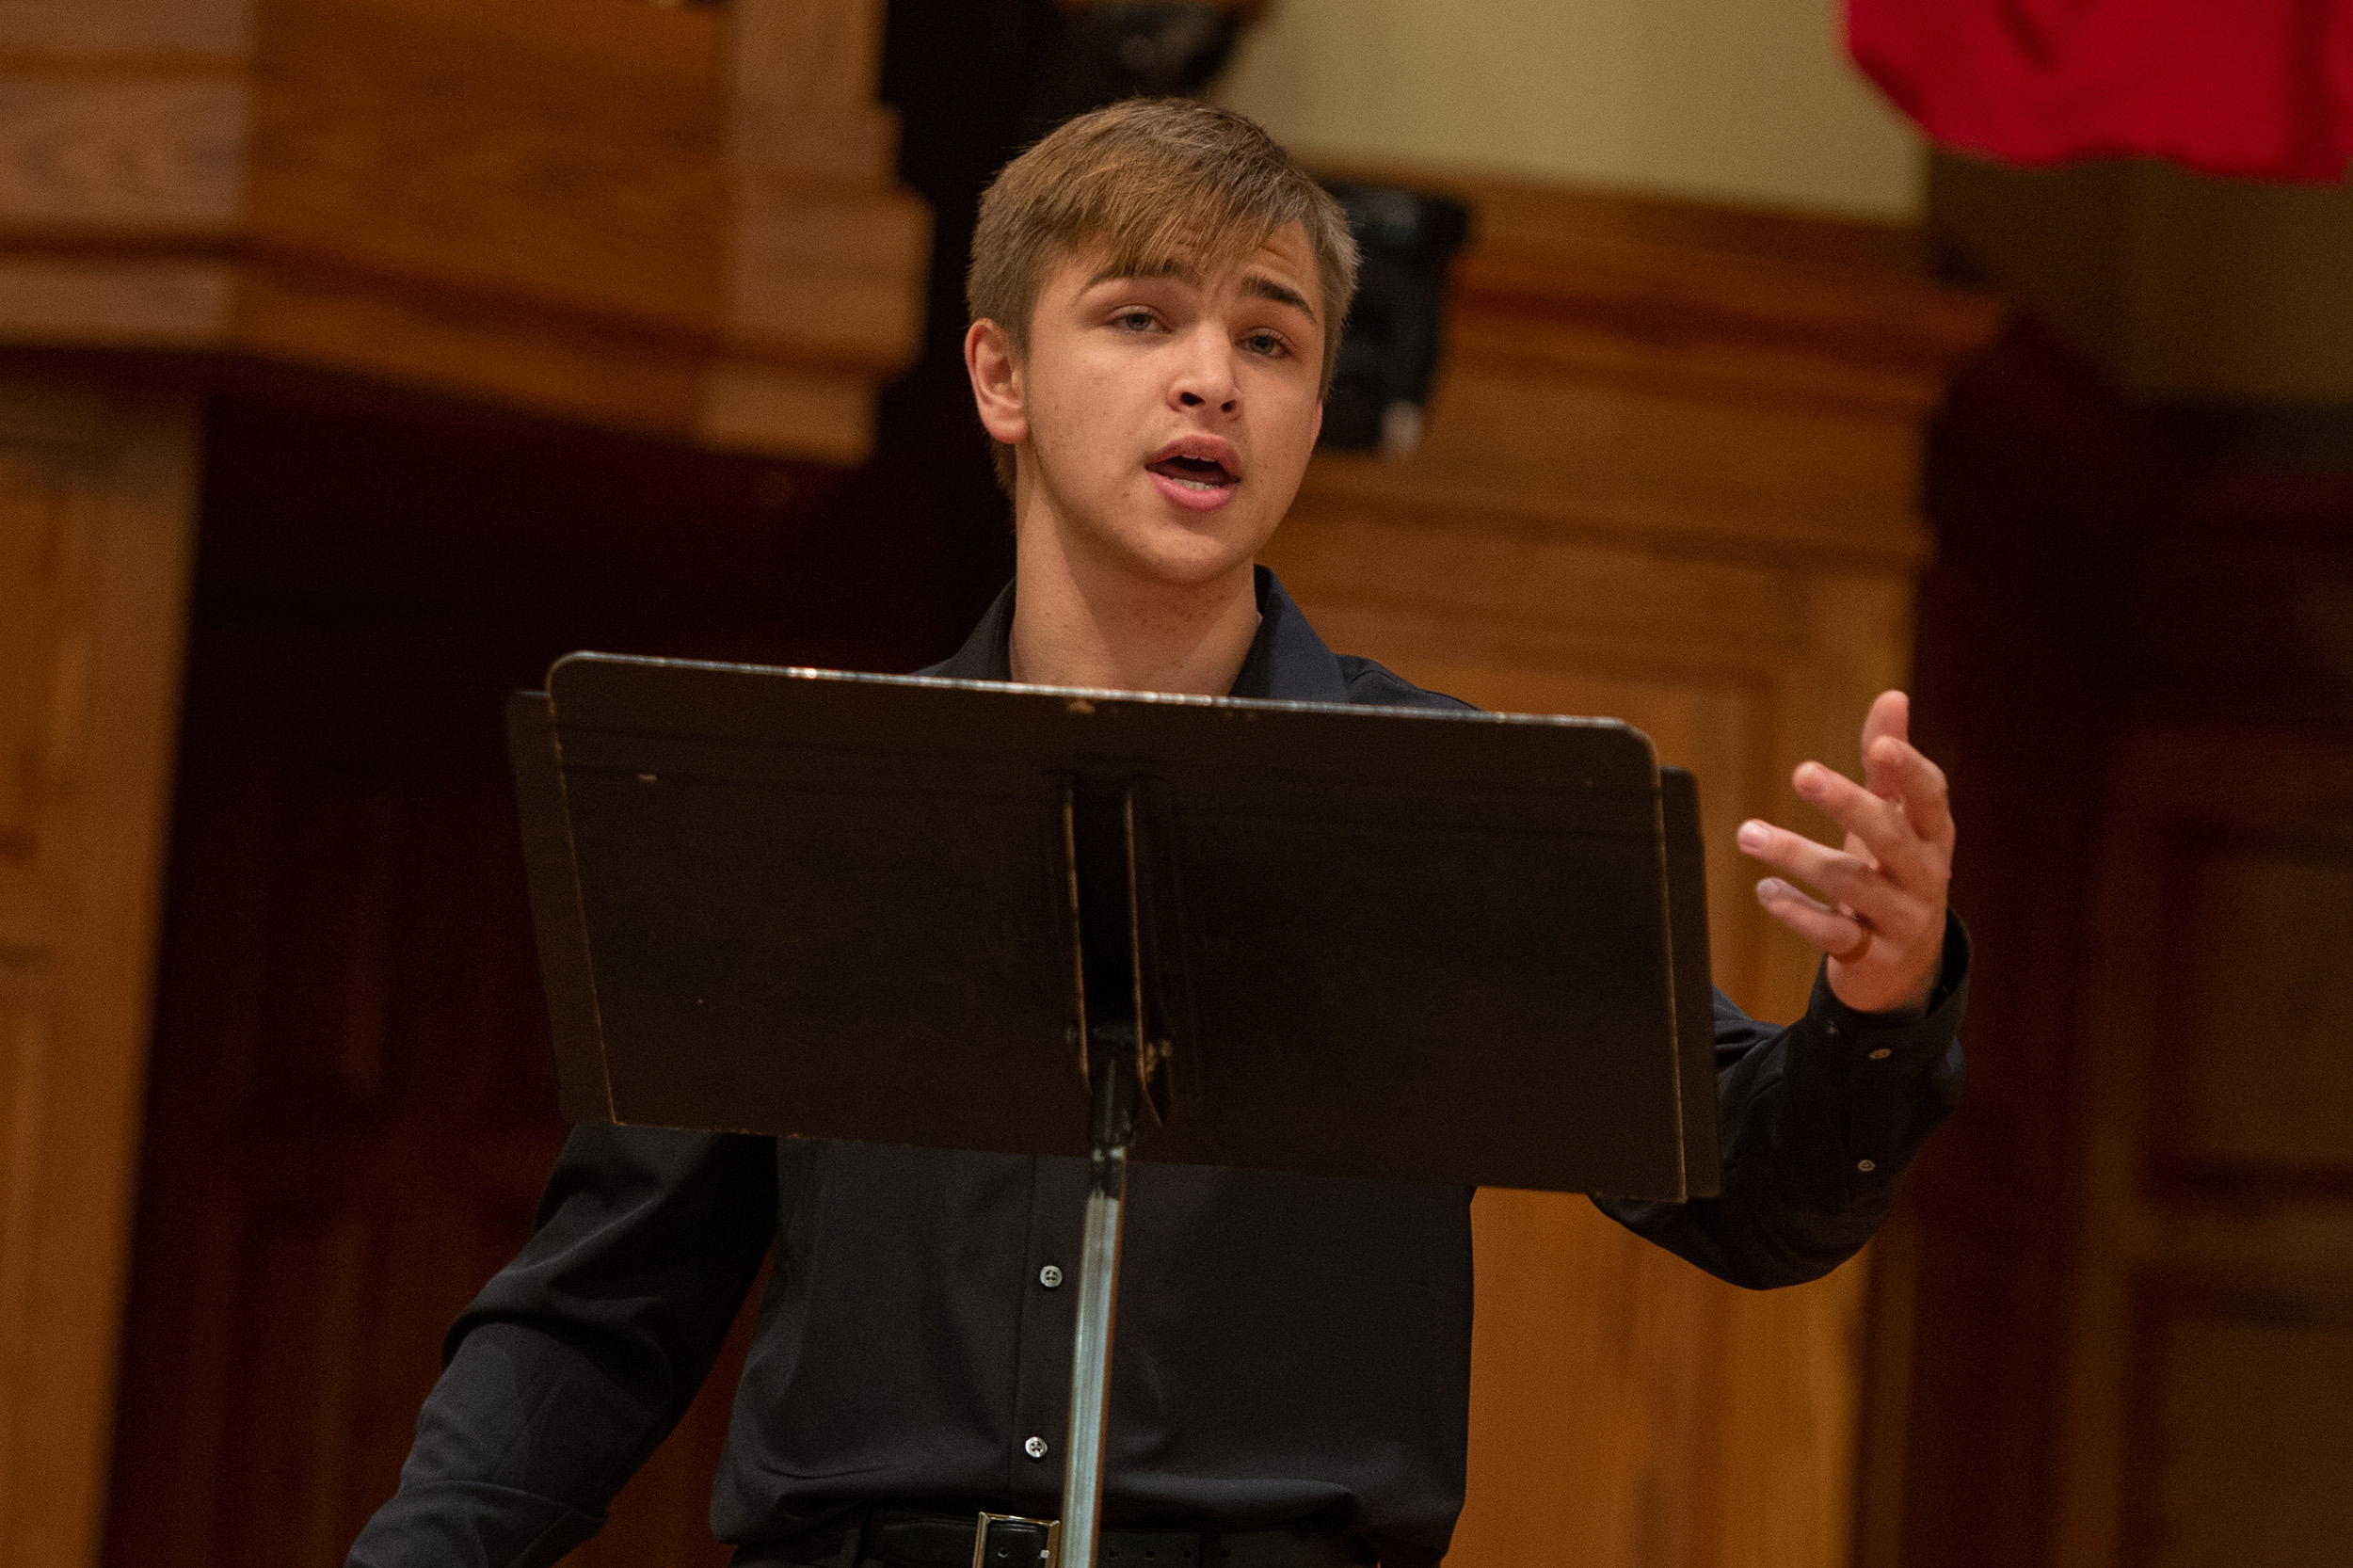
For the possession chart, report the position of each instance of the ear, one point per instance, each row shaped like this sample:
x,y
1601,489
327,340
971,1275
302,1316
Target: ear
x,y
988,359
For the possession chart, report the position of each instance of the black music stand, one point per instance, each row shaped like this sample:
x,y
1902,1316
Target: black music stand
x,y
1436,945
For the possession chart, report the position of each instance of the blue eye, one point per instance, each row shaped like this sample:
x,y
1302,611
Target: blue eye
x,y
1136,321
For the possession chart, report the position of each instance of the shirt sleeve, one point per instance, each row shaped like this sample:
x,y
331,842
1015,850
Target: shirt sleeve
x,y
1819,1121
577,1359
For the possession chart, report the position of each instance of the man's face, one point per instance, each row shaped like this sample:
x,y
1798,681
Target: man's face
x,y
1169,417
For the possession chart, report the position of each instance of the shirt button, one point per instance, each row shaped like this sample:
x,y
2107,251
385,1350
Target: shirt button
x,y
1035,1448
1882,1054
1865,1166
1049,1277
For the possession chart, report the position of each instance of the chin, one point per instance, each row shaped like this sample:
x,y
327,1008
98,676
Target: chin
x,y
1193,558
1164,544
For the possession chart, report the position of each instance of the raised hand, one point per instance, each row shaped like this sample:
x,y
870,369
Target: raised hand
x,y
1883,926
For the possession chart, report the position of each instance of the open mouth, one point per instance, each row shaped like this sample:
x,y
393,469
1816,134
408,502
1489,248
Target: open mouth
x,y
1193,473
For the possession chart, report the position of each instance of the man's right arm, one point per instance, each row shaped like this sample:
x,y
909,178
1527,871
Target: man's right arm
x,y
578,1357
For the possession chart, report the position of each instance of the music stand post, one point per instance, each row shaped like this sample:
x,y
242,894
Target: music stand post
x,y
733,870
1111,1123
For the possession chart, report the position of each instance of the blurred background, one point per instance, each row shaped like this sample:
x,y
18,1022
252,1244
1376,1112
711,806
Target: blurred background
x,y
359,357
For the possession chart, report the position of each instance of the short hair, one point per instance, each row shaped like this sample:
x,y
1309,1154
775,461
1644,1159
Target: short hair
x,y
1148,180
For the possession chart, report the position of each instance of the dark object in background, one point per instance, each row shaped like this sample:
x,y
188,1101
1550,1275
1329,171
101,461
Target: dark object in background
x,y
1389,347
1118,49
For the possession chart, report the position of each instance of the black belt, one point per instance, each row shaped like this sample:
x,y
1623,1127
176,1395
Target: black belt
x,y
902,1538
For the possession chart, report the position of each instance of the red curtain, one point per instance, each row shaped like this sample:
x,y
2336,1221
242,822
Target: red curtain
x,y
2257,87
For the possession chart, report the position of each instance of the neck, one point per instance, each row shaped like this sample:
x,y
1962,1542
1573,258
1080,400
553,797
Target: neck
x,y
1083,624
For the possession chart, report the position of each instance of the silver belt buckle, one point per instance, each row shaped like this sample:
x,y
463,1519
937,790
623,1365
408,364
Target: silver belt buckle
x,y
1051,1558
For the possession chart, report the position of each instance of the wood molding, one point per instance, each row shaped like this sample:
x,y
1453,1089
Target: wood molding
x,y
153,151
608,212
1677,374
97,499
167,302
1669,271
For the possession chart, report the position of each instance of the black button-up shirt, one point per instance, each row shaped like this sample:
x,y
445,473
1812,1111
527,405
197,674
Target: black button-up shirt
x,y
1290,1349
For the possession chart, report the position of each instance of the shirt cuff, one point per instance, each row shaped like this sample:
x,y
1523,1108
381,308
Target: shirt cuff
x,y
1885,1046
1864,1090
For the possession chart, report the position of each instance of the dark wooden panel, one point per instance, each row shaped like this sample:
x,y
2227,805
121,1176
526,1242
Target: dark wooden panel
x,y
45,550
2032,464
2247,1399
2130,664
352,1103
2262,1088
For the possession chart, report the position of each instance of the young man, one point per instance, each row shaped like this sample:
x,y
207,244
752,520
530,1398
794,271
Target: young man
x,y
1156,289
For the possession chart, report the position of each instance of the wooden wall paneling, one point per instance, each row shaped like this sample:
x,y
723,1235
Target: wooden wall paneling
x,y
154,304
96,524
2220,859
339,968
351,1105
2244,1424
125,134
2250,969
665,221
156,28
2136,1242
163,151
489,151
2036,476
1670,474
818,260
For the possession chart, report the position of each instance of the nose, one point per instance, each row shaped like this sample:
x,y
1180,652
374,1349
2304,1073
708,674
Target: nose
x,y
1204,374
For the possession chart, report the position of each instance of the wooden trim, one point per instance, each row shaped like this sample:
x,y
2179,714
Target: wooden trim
x,y
106,303
670,222
745,407
1814,309
71,1134
117,29
1671,375
1548,214
162,151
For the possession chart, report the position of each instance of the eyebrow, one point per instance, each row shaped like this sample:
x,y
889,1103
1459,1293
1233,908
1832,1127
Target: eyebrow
x,y
1252,283
1282,294
1182,271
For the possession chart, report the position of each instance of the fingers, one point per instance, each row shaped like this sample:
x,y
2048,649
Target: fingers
x,y
1883,920
1825,927
1895,769
1881,826
1889,716
1891,908
1919,785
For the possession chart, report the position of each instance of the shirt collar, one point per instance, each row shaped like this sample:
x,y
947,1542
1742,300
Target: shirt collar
x,y
1287,660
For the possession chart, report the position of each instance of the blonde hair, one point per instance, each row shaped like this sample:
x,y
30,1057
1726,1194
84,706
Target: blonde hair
x,y
1151,181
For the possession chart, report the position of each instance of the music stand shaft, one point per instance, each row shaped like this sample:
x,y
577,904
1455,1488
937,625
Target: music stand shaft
x,y
1111,1127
